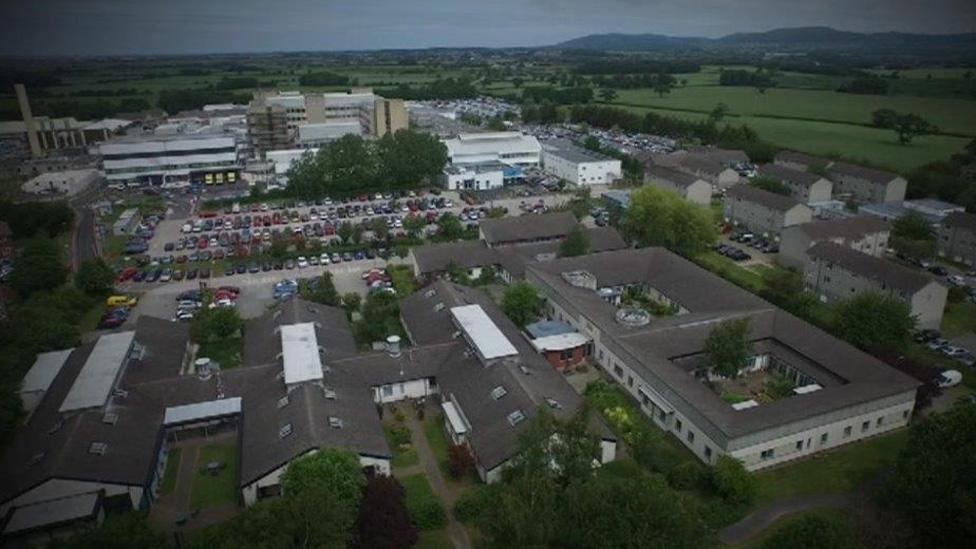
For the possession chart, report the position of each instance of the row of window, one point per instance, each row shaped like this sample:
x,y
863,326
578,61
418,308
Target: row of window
x,y
825,437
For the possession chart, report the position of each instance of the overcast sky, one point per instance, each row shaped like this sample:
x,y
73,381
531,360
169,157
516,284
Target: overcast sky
x,y
50,27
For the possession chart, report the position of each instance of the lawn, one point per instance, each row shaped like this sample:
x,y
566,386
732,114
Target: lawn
x,y
213,490
729,270
172,469
426,510
89,320
833,472
437,439
958,319
402,457
402,278
833,515
225,352
434,539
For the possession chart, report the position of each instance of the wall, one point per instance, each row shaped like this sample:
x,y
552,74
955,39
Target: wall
x,y
958,244
393,392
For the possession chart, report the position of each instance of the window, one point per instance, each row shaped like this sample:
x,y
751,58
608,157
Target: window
x,y
97,448
661,414
823,438
283,401
284,431
865,426
329,393
767,454
600,355
516,417
691,436
335,422
618,370
799,445
847,431
387,390
708,453
630,381
879,421
498,392
677,425
904,415
110,418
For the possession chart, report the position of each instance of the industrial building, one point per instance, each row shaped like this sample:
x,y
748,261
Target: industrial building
x,y
206,157
513,148
478,177
570,162
839,393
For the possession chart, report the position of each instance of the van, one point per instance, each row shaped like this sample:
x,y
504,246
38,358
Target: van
x,y
121,301
236,208
949,378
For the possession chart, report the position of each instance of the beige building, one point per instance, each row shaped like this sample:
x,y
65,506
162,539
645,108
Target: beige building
x,y
267,127
806,187
866,184
389,116
762,211
717,166
866,234
957,238
800,161
692,188
837,273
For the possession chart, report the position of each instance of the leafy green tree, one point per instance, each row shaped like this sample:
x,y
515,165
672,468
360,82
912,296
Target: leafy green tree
x,y
279,249
517,82
718,113
383,519
608,94
408,158
381,314
770,184
450,226
933,485
94,277
662,84
811,532
913,226
521,303
357,233
657,217
729,347
326,488
730,480
119,531
352,301
380,229
576,243
344,231
39,267
413,224
324,291
496,124
907,126
874,319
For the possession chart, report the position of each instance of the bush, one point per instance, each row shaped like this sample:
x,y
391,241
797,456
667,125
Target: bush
x,y
472,505
956,295
460,462
399,415
427,513
685,475
399,435
730,481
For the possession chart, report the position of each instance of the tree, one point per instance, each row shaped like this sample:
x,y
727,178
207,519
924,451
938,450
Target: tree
x,y
906,125
344,232
811,532
608,94
521,303
718,113
325,489
324,291
357,233
729,347
408,159
94,277
913,226
119,531
383,519
730,480
874,319
496,124
380,228
460,462
39,267
770,184
657,217
413,224
380,317
450,226
517,82
576,243
662,84
933,485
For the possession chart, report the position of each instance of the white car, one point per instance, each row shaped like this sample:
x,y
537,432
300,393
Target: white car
x,y
956,280
302,262
949,378
324,259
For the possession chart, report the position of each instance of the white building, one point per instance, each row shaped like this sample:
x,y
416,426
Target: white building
x,y
314,135
577,165
508,147
161,158
66,183
475,177
283,161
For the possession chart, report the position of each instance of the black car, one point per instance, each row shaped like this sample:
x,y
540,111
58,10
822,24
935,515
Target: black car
x,y
938,270
279,265
204,273
254,268
241,268
191,274
266,267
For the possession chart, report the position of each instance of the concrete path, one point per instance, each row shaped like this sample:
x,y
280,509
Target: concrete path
x,y
455,530
764,517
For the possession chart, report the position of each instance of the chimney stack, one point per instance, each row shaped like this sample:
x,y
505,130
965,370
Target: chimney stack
x,y
31,126
393,346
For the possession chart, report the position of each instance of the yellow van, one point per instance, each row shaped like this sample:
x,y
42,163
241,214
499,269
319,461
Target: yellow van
x,y
219,178
231,177
121,301
208,179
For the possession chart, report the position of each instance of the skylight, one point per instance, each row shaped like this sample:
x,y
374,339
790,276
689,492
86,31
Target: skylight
x,y
97,448
498,392
335,422
284,430
516,417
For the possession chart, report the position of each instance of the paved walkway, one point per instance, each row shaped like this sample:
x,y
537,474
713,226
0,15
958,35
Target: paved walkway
x,y
762,518
428,463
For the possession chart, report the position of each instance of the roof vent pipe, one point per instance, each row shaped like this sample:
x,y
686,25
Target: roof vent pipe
x,y
393,345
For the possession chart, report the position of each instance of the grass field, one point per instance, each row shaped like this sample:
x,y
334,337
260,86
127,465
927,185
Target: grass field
x,y
426,510
225,352
172,468
220,489
959,318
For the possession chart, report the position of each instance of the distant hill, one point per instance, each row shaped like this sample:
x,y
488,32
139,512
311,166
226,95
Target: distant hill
x,y
788,39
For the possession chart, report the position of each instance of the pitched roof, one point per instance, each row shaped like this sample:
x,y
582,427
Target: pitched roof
x,y
789,175
672,176
722,156
880,270
435,258
528,227
762,197
658,350
873,175
843,227
961,220
795,157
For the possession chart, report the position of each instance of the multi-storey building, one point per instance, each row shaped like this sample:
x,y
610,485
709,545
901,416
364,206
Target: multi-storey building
x,y
806,187
566,160
690,187
153,158
866,234
957,238
763,211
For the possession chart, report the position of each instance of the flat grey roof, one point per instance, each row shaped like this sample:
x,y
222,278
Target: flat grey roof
x,y
199,411
566,149
55,511
44,370
97,378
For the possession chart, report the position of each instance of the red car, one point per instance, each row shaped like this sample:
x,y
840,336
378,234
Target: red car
x,y
127,273
206,214
202,243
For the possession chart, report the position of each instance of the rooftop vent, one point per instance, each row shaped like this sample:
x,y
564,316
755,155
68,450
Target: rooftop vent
x,y
283,401
580,279
56,427
110,418
335,422
633,318
525,369
393,345
329,393
516,417
745,405
284,431
439,307
498,392
430,293
97,448
36,458
554,404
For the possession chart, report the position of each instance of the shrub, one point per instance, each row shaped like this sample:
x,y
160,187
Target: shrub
x,y
399,435
472,505
399,415
427,513
460,462
731,481
956,295
685,475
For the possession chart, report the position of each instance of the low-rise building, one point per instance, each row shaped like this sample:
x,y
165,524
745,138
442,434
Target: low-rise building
x,y
66,183
762,211
126,222
932,208
957,238
800,161
566,160
806,187
527,229
478,177
156,159
837,273
839,393
690,187
866,184
865,234
562,346
284,159
513,148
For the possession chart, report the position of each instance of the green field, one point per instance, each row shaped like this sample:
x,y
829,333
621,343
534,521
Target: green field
x,y
220,489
